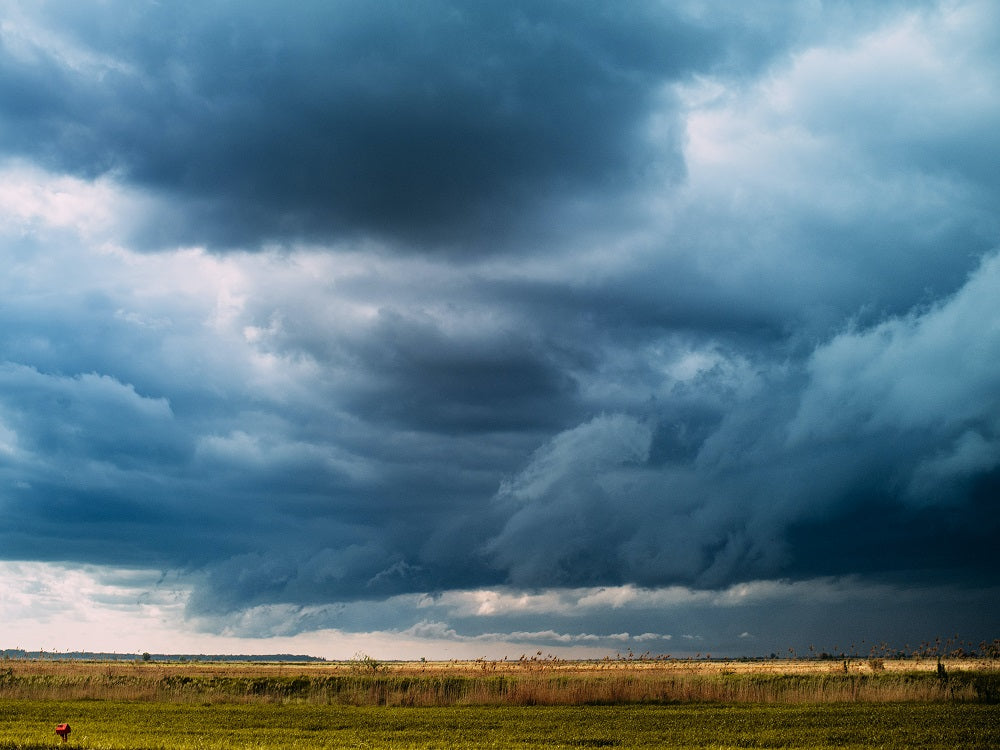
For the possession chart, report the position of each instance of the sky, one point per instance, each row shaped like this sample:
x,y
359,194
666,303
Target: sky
x,y
457,329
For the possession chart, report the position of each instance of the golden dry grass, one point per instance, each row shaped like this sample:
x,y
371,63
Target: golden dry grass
x,y
522,682
651,667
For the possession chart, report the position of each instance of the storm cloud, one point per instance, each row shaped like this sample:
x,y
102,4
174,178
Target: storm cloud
x,y
439,123
350,316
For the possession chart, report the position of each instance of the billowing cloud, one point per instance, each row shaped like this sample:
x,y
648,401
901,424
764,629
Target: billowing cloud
x,y
340,314
436,122
903,374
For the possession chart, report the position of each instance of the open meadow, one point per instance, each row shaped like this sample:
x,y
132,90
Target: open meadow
x,y
525,703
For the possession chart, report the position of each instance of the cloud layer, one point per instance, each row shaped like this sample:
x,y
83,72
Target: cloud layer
x,y
350,304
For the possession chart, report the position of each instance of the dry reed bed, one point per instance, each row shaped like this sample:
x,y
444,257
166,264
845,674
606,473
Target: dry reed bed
x,y
159,669
508,683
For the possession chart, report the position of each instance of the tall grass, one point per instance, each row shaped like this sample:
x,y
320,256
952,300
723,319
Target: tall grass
x,y
472,684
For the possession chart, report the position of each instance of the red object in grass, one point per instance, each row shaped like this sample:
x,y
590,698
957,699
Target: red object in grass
x,y
63,731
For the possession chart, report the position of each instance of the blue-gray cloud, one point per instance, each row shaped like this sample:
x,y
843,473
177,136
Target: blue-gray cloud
x,y
435,122
451,296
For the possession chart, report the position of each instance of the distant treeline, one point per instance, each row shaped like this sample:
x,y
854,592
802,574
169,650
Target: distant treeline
x,y
17,653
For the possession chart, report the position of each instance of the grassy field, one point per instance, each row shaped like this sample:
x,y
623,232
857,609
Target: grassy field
x,y
116,725
675,703
523,683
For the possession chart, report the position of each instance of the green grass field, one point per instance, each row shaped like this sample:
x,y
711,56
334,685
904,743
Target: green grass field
x,y
115,725
674,704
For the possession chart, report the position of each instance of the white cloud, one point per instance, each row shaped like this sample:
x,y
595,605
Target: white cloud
x,y
933,369
52,206
833,182
31,43
605,442
61,607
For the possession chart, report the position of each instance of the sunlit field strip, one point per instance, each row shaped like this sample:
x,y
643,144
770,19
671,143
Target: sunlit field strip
x,y
854,665
523,683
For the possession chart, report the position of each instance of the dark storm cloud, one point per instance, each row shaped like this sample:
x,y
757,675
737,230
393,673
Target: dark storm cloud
x,y
883,428
869,457
438,382
422,122
440,125
832,615
746,330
